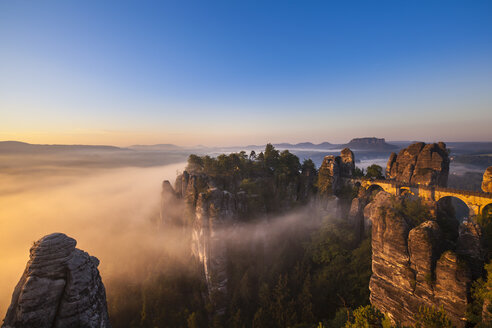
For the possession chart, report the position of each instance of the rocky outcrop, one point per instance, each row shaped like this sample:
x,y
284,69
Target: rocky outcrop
x,y
420,163
329,175
347,163
213,205
487,180
409,266
356,213
60,287
171,209
333,169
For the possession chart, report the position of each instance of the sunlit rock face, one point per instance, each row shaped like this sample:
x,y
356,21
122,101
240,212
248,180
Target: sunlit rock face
x,y
60,287
412,269
332,170
347,163
329,175
487,180
420,163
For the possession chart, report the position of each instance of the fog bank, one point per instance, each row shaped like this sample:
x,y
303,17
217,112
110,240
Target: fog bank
x,y
108,211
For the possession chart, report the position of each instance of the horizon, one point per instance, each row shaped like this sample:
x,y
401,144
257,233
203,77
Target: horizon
x,y
243,145
124,73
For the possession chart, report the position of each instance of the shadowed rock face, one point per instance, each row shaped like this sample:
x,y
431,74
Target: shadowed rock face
x,y
409,266
420,163
487,180
60,287
210,205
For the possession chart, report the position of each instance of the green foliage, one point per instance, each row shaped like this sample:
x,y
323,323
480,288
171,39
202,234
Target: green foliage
x,y
481,292
366,317
310,274
270,178
358,172
432,318
375,172
170,298
308,166
412,209
341,269
485,222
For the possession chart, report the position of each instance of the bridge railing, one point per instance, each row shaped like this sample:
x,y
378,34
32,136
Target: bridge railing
x,y
435,188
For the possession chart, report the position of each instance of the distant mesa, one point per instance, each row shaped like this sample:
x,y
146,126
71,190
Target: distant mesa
x,y
369,143
60,287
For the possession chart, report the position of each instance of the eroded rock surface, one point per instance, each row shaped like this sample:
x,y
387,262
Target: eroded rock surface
x,y
333,169
60,287
487,180
420,163
410,267
212,206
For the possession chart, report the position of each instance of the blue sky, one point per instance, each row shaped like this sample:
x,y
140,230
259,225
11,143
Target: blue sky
x,y
241,72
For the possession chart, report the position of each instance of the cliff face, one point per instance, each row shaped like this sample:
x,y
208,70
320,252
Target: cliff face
x,y
410,266
420,163
60,287
210,209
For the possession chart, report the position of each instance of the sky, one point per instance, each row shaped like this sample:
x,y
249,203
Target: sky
x,y
243,72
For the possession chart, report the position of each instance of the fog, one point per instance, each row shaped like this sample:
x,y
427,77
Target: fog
x,y
108,211
112,213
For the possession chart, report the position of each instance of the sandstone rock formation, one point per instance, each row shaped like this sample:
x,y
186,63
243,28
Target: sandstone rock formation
x,y
171,209
212,205
329,175
356,213
487,180
410,267
332,169
60,287
420,163
347,163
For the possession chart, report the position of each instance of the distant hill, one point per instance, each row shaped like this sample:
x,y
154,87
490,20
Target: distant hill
x,y
23,147
369,143
158,147
306,145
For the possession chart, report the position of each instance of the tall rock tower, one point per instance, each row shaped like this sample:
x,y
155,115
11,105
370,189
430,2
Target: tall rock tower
x,y
60,287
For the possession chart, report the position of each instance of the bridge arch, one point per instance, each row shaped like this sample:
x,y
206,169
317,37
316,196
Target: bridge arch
x,y
374,188
452,206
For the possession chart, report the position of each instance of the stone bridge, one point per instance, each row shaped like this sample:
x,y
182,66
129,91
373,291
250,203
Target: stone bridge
x,y
476,201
